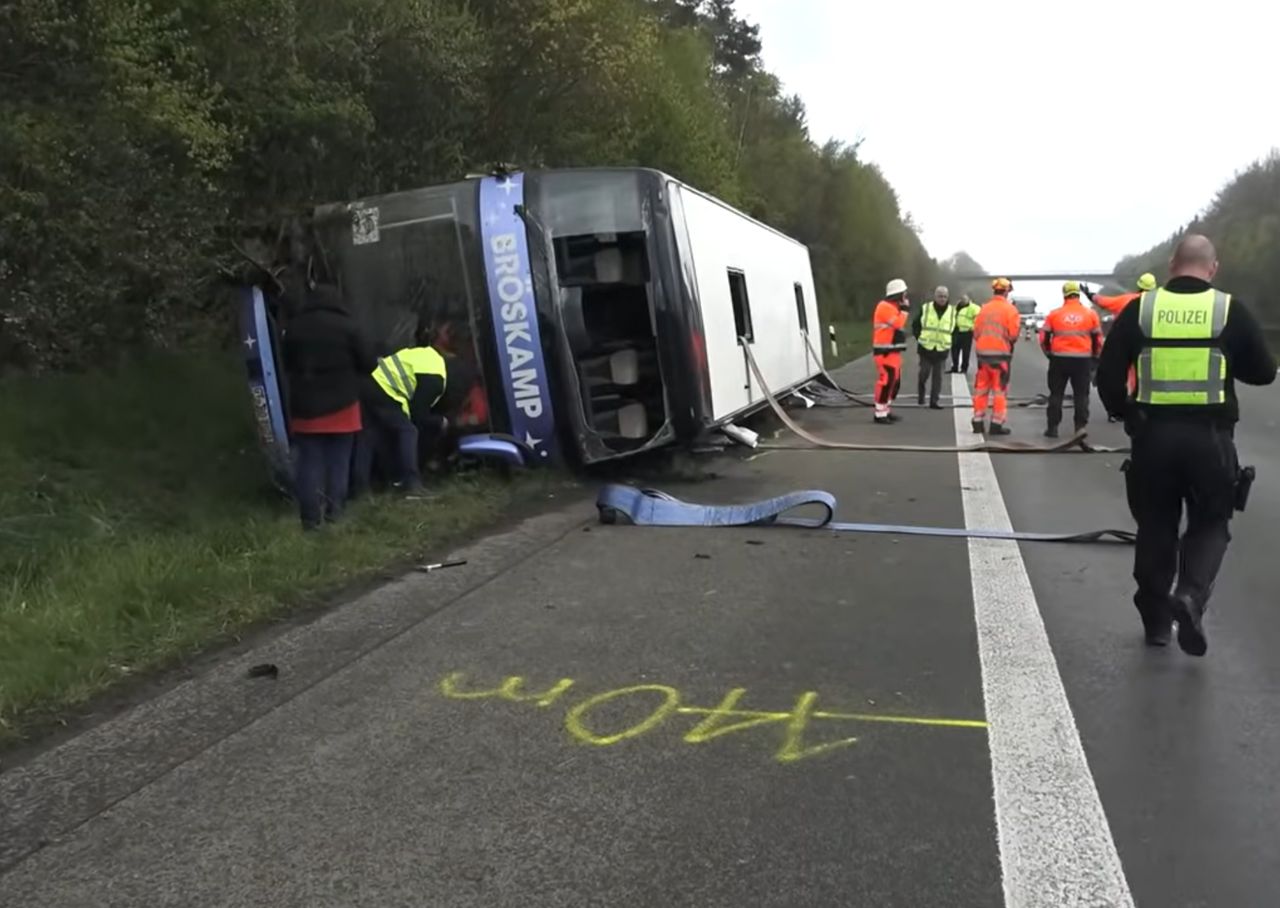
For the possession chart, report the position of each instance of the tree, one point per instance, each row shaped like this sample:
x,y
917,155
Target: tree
x,y
1244,223
953,270
147,146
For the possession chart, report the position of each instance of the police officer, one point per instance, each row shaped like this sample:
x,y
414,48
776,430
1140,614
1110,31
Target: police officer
x,y
1189,343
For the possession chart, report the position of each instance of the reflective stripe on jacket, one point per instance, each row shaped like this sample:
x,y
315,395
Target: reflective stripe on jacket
x,y
935,329
1072,331
1181,361
887,334
398,373
996,328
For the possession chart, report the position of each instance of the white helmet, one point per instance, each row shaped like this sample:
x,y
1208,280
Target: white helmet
x,y
897,285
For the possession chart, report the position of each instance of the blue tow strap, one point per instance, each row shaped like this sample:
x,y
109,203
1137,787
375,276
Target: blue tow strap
x,y
648,507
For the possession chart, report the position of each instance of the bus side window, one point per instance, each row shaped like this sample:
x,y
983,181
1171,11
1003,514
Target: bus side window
x,y
803,316
741,306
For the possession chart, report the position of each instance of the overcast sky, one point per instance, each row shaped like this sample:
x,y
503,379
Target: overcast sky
x,y
1036,135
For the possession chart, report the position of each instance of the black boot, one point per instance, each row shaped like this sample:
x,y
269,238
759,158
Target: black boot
x,y
1157,632
934,405
1157,618
1157,627
978,427
1190,617
999,428
1051,432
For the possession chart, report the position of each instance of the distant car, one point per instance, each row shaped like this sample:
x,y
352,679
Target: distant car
x,y
1026,307
1031,323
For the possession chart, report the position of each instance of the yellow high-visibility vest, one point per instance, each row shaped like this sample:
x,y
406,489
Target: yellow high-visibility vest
x,y
398,373
965,317
1181,361
935,329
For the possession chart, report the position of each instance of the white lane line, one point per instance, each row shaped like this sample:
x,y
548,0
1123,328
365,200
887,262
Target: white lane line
x,y
1056,849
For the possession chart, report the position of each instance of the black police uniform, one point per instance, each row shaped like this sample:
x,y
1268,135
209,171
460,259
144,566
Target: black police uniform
x,y
1183,455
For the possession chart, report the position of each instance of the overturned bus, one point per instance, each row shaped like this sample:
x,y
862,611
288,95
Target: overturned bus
x,y
603,310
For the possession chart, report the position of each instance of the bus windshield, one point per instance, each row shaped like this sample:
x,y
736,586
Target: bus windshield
x,y
407,261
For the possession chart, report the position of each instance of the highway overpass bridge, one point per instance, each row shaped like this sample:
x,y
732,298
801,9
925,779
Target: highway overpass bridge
x,y
1091,275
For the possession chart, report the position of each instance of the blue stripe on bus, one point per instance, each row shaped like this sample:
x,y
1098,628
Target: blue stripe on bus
x,y
525,379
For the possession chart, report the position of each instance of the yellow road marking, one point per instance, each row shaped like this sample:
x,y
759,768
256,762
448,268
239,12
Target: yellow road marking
x,y
723,719
573,718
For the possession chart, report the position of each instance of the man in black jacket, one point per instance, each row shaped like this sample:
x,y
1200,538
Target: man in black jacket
x,y
1189,343
325,356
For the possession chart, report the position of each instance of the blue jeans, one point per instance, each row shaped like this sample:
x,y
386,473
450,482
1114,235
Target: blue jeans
x,y
323,476
387,429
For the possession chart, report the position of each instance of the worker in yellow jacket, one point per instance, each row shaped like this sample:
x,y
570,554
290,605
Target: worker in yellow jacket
x,y
398,401
962,338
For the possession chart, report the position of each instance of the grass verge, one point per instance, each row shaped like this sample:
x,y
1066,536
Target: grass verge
x,y
853,339
137,527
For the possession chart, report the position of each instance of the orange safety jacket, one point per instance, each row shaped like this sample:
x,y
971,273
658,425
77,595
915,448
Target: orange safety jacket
x,y
1072,331
888,334
996,329
1115,304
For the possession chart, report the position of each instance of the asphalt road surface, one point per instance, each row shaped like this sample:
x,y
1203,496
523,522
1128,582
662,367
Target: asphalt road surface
x,y
614,715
